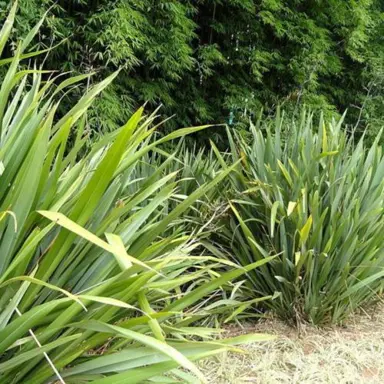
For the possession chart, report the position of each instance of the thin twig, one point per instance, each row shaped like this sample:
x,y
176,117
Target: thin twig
x,y
45,354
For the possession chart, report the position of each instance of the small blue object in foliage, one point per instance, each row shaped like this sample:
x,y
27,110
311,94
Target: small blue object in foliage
x,y
230,120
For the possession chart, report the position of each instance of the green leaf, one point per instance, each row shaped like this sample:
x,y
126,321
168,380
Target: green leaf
x,y
7,27
304,232
26,356
275,206
146,340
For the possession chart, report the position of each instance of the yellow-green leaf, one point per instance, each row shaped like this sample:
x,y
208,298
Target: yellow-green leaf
x,y
304,232
116,248
273,217
291,206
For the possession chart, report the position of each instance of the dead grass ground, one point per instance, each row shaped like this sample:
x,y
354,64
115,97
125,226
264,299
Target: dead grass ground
x,y
352,354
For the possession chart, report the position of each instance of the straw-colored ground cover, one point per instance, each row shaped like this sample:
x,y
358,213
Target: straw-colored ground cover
x,y
352,354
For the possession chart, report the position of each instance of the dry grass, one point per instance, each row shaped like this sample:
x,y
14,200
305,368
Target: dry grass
x,y
343,355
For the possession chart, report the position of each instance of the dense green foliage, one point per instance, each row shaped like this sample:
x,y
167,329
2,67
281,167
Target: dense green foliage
x,y
88,263
306,192
119,252
208,60
315,198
